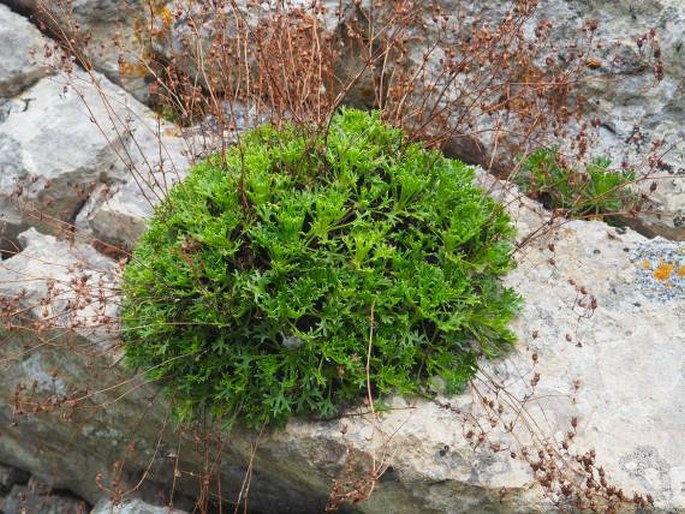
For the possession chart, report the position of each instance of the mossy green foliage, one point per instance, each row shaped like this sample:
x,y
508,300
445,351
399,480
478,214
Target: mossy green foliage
x,y
272,273
598,191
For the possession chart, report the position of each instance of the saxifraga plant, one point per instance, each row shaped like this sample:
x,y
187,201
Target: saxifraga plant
x,y
290,274
596,191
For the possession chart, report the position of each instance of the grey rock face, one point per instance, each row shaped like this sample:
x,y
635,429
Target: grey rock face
x,y
186,31
20,493
134,506
17,39
93,412
108,25
616,369
76,279
117,215
48,268
71,135
601,336
36,497
635,110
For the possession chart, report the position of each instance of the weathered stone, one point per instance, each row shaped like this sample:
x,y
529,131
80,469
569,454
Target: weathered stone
x,y
156,160
617,368
109,26
38,497
185,33
10,477
17,40
66,286
57,146
69,411
635,108
621,90
134,506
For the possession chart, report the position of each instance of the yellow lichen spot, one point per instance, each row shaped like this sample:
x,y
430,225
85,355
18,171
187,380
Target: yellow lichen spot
x,y
167,16
681,272
646,265
663,271
132,69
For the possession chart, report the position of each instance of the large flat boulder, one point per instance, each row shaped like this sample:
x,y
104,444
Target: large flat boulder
x,y
600,357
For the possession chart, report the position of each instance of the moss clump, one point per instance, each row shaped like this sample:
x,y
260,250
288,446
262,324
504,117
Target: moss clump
x,y
272,273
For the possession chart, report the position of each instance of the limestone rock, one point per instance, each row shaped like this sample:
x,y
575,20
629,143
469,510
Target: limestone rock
x,y
108,26
600,353
621,90
37,496
155,160
17,39
65,285
69,411
134,506
67,291
57,146
637,110
616,367
634,109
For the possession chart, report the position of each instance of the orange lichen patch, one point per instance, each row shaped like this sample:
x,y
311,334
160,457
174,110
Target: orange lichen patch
x,y
593,64
646,265
681,272
167,16
663,271
176,132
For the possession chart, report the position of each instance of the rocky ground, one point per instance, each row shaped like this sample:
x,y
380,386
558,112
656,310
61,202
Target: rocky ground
x,y
22,493
602,337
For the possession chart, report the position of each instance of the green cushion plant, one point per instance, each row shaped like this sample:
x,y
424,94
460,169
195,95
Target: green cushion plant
x,y
276,277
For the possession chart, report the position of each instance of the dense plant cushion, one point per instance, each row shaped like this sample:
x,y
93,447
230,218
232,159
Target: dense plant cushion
x,y
277,276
